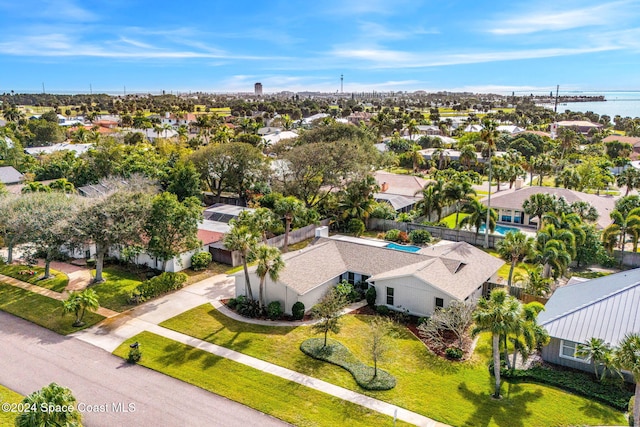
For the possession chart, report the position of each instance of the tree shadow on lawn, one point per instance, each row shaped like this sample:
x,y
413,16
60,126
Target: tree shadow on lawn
x,y
178,354
594,410
239,326
510,411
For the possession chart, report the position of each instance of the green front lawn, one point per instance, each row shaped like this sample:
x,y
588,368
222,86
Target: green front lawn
x,y
41,310
57,283
454,393
289,401
7,418
115,292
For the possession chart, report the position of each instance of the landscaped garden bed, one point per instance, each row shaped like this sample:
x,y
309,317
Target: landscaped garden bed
x,y
33,274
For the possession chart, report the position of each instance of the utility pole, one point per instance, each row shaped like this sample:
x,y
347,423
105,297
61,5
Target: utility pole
x,y
341,82
90,89
555,107
486,224
43,88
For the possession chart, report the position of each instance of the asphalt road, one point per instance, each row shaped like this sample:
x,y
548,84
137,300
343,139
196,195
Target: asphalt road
x,y
32,357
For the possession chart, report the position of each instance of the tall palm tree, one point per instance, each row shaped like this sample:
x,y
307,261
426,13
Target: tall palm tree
x,y
497,315
489,134
356,201
627,357
412,128
537,205
598,351
468,156
288,208
270,264
458,192
528,335
432,199
417,159
478,214
243,240
624,224
629,178
514,247
554,250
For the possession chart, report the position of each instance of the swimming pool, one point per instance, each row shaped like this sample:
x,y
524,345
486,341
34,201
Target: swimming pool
x,y
404,248
500,229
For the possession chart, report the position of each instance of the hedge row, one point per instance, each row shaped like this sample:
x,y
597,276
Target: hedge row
x,y
159,285
575,382
340,355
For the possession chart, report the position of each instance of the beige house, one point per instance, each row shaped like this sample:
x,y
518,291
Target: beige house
x,y
419,282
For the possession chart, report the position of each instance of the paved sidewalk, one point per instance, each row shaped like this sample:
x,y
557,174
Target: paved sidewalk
x,y
110,333
49,293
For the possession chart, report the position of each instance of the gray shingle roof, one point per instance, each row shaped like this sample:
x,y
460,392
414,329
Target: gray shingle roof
x,y
607,307
457,269
9,175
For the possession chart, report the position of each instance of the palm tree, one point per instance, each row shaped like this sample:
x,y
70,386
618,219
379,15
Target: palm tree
x,y
288,208
417,159
13,114
528,335
433,199
79,302
488,135
468,156
497,315
457,192
243,240
629,178
356,201
52,395
541,164
597,351
514,247
568,140
624,224
537,205
627,357
270,264
412,128
533,281
478,214
554,250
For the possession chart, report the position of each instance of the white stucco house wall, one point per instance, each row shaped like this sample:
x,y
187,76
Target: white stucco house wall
x,y
417,282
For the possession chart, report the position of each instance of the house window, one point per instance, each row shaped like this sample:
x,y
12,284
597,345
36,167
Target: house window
x,y
505,218
568,351
351,278
439,303
517,217
389,296
364,278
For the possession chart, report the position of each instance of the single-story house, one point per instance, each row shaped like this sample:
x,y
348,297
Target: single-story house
x,y
634,141
398,190
510,129
419,282
9,175
606,308
278,136
580,126
509,204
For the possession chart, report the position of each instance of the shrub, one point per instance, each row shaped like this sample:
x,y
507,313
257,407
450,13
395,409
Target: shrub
x,y
403,237
249,308
232,303
134,353
382,310
392,235
575,382
274,310
347,291
371,295
419,237
355,226
402,317
454,353
159,285
297,311
200,261
422,320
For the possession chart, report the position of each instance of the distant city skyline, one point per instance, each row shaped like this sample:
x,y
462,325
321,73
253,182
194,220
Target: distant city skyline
x,y
401,45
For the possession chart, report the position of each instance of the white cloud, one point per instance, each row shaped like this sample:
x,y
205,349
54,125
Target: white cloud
x,y
548,19
376,31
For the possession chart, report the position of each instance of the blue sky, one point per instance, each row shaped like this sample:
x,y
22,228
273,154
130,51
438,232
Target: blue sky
x,y
378,45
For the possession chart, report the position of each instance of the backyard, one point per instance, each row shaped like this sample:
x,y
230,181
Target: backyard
x,y
458,393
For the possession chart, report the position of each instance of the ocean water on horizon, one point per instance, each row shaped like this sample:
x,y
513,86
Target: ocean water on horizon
x,y
622,103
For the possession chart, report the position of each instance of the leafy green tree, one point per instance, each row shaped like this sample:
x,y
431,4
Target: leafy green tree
x,y
627,357
79,302
289,208
51,395
172,226
377,340
515,247
184,181
43,132
244,240
497,315
269,263
328,312
260,220
111,221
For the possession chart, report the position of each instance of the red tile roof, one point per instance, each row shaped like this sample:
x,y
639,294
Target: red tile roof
x,y
207,237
